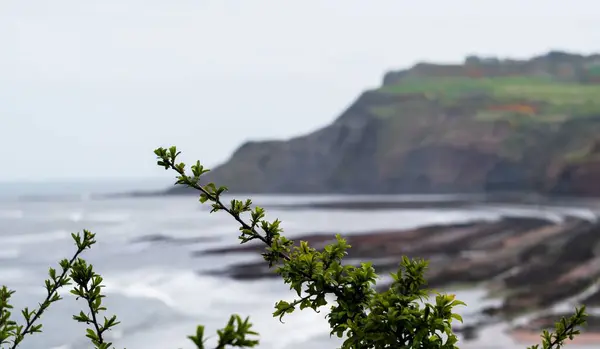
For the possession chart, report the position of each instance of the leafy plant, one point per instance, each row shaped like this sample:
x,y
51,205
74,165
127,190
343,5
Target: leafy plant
x,y
399,317
396,318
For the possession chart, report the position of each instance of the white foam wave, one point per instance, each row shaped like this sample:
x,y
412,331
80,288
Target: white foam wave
x,y
9,253
555,214
8,275
76,216
197,296
140,290
12,214
357,222
108,217
24,239
209,233
65,346
80,216
172,289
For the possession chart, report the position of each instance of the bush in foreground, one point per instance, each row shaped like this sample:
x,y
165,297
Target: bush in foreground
x,y
400,317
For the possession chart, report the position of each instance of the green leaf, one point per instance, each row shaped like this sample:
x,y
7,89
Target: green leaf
x,y
457,302
457,317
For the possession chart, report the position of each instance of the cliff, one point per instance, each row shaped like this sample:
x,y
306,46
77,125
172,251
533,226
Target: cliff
x,y
486,125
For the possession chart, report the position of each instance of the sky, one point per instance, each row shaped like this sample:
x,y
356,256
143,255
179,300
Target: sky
x,y
89,88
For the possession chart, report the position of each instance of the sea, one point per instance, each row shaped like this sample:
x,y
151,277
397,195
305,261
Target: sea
x,y
158,284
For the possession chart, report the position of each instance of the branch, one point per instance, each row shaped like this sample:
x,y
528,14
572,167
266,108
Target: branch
x,y
52,286
185,179
88,287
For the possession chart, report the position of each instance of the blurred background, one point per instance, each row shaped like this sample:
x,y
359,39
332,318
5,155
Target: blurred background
x,y
464,132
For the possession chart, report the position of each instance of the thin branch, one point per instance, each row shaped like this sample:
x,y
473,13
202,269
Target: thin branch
x,y
237,217
89,301
58,283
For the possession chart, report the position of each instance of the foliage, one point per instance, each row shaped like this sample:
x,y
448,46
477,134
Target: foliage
x,y
396,318
399,317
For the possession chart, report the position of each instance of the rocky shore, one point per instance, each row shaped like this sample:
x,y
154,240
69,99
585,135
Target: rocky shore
x,y
530,264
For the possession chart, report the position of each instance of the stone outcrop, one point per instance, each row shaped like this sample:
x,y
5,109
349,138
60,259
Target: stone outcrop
x,y
529,263
579,175
487,125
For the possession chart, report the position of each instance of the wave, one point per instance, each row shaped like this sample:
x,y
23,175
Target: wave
x,y
139,289
11,214
212,299
556,214
9,275
83,197
107,217
65,346
53,213
9,253
173,289
99,217
23,239
76,216
161,238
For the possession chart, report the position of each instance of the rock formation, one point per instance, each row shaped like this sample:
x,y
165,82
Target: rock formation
x,y
527,264
487,125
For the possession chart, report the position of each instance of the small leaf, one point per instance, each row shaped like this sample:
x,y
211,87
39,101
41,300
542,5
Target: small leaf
x,y
457,317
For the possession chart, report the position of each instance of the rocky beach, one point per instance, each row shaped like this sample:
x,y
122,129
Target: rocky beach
x,y
169,265
514,132
532,266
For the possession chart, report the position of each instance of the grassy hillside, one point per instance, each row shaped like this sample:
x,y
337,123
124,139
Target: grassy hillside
x,y
538,99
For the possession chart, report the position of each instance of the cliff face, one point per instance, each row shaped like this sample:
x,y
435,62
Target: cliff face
x,y
485,125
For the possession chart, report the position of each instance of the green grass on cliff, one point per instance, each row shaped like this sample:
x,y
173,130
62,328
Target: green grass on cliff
x,y
562,99
491,115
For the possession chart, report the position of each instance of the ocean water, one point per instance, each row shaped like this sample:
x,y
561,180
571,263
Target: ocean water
x,y
160,291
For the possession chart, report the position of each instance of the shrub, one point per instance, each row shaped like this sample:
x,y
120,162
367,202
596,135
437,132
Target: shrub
x,y
399,317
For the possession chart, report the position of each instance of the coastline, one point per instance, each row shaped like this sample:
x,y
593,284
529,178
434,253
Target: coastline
x,y
494,255
553,257
176,245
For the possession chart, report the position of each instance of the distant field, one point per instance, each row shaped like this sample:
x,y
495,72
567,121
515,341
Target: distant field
x,y
492,115
544,89
562,99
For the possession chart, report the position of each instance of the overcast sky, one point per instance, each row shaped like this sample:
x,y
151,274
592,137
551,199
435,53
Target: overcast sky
x,y
89,88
